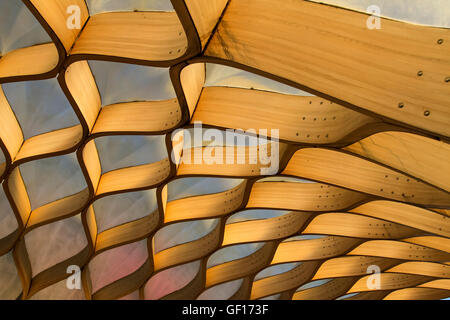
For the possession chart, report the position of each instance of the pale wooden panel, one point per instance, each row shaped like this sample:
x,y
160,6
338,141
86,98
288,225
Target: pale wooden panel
x,y
91,161
29,61
205,206
137,177
389,281
327,291
329,58
438,284
10,131
298,119
417,294
282,282
58,209
351,225
408,215
239,268
313,249
189,251
301,196
421,157
230,161
18,191
430,269
55,14
192,79
91,225
399,250
153,36
264,229
439,243
350,266
128,232
138,117
81,84
50,142
352,172
206,14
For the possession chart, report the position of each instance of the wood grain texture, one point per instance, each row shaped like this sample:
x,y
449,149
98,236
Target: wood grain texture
x,y
192,79
55,13
298,118
11,135
205,14
421,157
38,60
351,172
328,58
153,36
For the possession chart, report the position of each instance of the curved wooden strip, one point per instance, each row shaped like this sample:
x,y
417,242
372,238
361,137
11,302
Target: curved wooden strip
x,y
350,266
127,232
205,206
389,281
205,14
149,36
438,243
133,178
330,290
236,161
352,172
298,118
430,269
56,16
369,295
285,281
81,90
352,225
191,80
399,250
421,157
11,136
138,117
58,209
390,79
50,143
264,229
90,164
438,284
240,268
417,294
407,215
313,249
302,196
39,61
189,251
16,192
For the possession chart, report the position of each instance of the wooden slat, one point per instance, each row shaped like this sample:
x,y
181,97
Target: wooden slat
x,y
54,12
389,281
138,117
205,14
421,157
417,294
192,79
205,206
151,36
329,58
10,132
430,269
350,225
302,196
327,291
264,229
18,192
408,215
298,118
37,60
52,142
351,172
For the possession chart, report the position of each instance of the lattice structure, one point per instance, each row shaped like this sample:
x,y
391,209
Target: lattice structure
x,y
372,142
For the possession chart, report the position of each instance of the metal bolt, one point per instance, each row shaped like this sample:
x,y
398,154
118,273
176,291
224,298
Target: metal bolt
x,y
447,79
440,41
426,113
401,105
420,73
